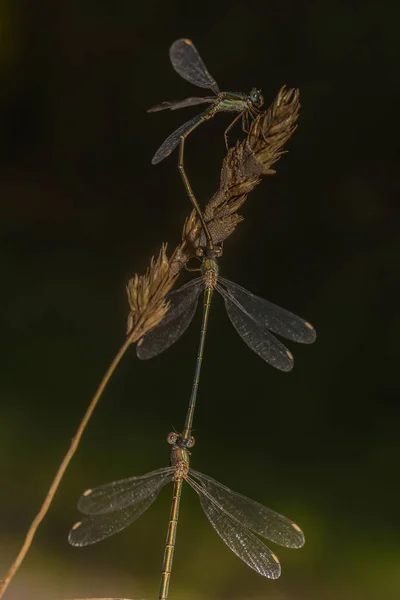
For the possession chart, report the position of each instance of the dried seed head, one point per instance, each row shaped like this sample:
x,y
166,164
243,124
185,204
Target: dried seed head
x,y
271,130
243,168
248,161
147,295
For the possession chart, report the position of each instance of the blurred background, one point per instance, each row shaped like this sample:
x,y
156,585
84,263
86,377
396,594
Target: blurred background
x,y
82,210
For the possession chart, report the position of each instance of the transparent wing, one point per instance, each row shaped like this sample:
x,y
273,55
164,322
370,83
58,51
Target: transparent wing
x,y
123,493
260,519
181,104
271,316
188,63
173,140
94,529
237,537
177,320
100,526
256,337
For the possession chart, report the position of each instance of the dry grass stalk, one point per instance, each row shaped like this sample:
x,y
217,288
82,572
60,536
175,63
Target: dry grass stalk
x,y
147,293
242,169
4,583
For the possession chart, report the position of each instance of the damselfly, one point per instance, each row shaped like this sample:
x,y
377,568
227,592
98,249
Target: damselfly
x,y
236,518
188,64
253,318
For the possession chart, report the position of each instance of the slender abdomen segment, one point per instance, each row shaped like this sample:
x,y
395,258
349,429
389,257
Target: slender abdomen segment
x,y
170,542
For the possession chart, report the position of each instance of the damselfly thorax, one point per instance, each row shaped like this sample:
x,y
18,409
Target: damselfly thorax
x,y
180,455
209,267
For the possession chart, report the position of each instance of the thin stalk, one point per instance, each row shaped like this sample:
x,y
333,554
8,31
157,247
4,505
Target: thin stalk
x,y
64,463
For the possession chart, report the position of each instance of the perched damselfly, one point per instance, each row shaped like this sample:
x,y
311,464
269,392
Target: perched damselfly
x,y
188,64
253,318
236,518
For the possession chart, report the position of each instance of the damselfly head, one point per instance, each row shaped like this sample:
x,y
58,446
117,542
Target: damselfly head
x,y
256,98
176,439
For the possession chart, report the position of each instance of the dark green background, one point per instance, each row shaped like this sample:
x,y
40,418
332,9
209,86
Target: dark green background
x,y
82,209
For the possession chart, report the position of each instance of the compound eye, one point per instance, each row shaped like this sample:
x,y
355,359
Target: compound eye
x,y
172,438
190,442
200,252
256,97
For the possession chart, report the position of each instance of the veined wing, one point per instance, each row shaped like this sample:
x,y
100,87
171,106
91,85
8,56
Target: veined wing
x,y
176,321
181,103
256,517
188,63
258,338
120,494
236,536
173,140
271,316
95,528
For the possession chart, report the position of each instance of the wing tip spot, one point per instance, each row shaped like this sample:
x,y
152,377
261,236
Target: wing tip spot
x,y
88,492
297,528
307,324
276,559
188,42
77,525
289,355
